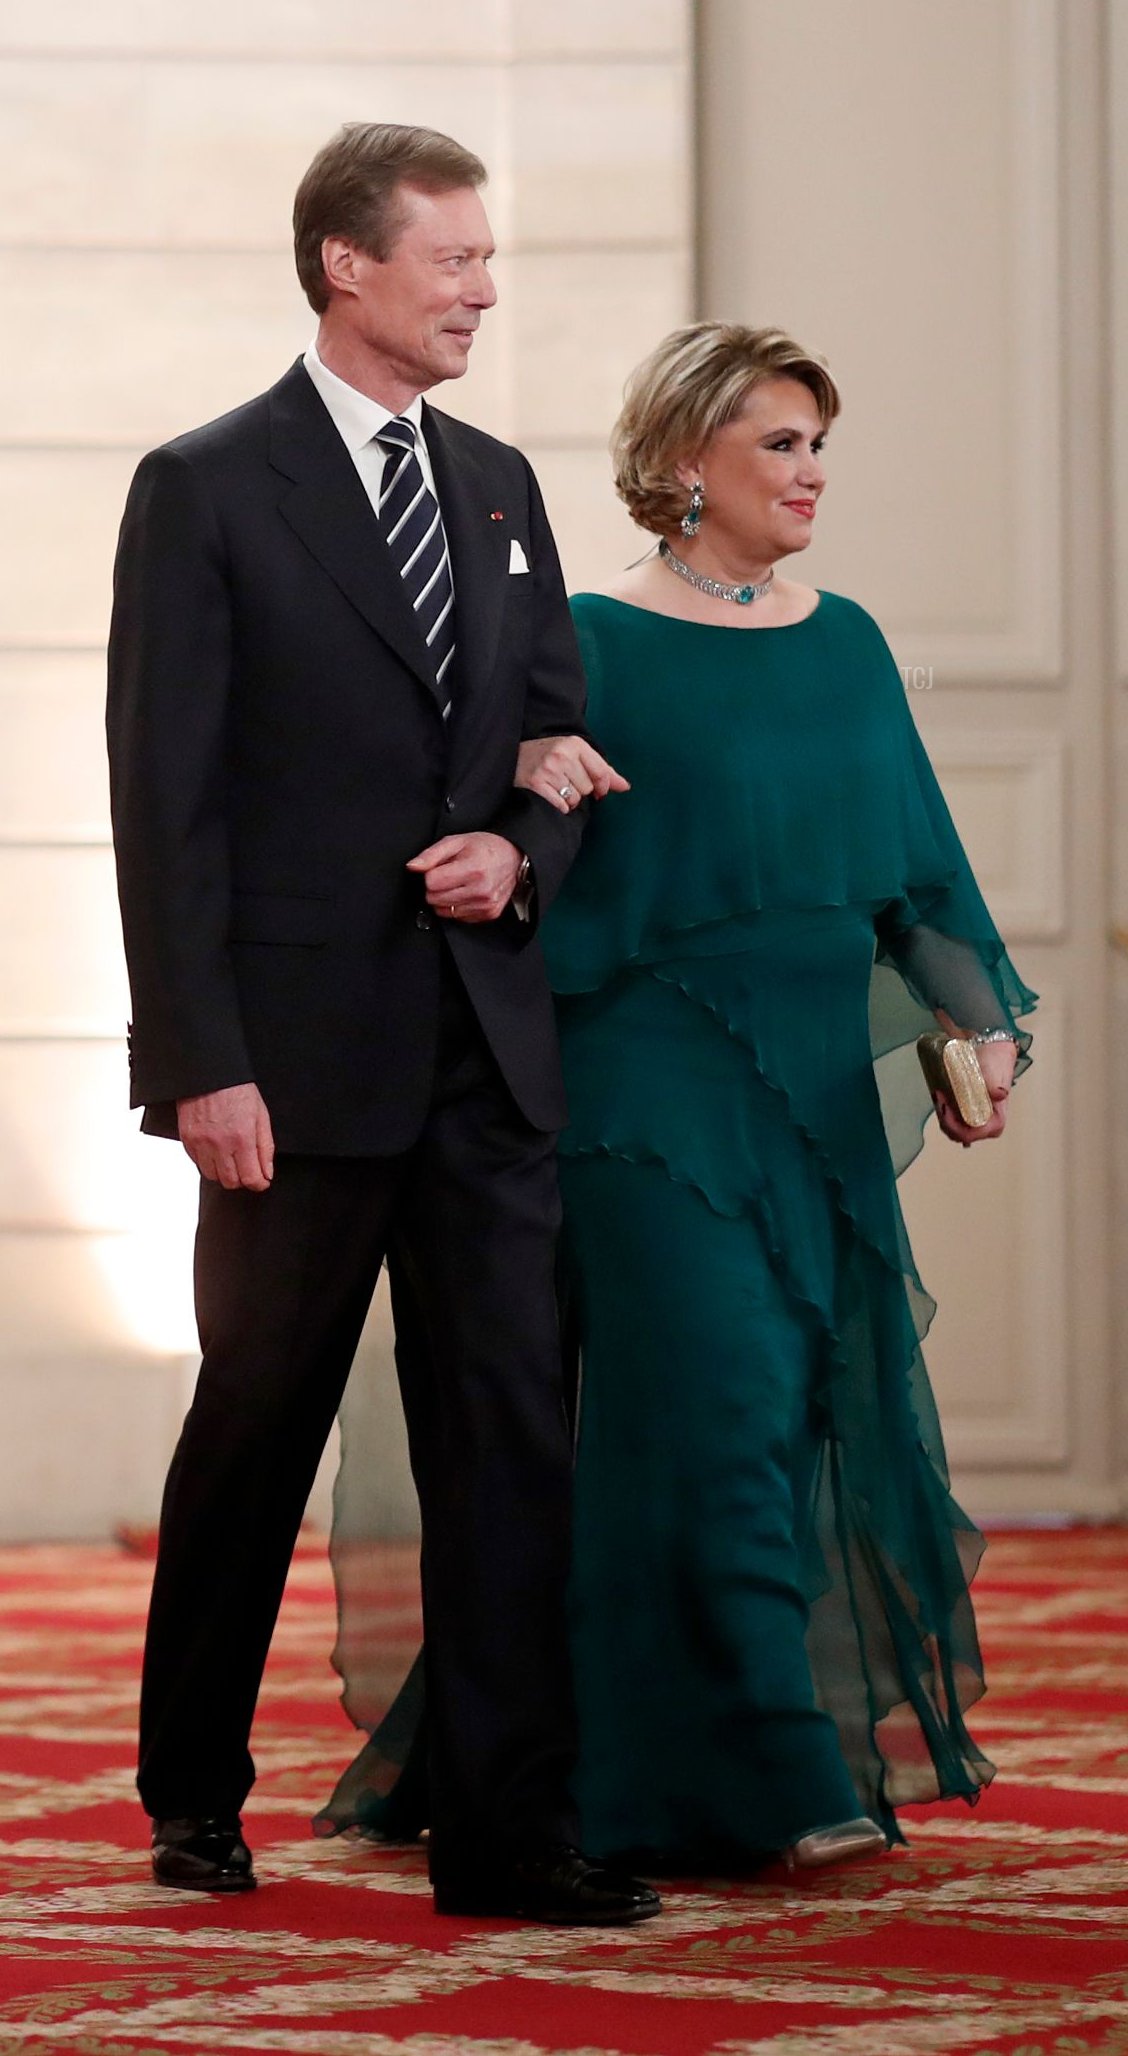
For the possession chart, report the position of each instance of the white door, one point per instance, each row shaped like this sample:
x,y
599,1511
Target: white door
x,y
919,192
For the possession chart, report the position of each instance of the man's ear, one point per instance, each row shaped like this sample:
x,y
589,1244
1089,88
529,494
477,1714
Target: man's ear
x,y
338,261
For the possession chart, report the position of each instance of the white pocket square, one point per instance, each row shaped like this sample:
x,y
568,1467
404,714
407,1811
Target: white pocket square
x,y
517,558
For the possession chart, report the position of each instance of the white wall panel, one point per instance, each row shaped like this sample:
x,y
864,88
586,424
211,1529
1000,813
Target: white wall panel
x,y
900,213
169,341
60,943
602,159
89,1437
60,1300
1117,105
443,29
1115,254
581,321
53,780
203,155
59,516
658,29
595,533
75,134
71,1153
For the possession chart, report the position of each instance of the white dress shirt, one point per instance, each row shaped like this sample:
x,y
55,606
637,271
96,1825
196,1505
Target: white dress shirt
x,y
358,420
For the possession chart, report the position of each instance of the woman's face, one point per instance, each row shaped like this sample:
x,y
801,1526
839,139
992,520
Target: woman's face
x,y
763,474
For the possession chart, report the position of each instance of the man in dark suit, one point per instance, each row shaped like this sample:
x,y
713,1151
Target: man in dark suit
x,y
337,615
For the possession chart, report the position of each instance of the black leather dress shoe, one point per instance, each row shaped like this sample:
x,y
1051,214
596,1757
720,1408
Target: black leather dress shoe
x,y
202,1855
558,1886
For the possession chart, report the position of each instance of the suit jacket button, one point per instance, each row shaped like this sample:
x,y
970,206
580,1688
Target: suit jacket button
x,y
424,918
449,803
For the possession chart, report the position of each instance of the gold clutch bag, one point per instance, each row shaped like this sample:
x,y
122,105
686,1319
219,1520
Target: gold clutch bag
x,y
951,1066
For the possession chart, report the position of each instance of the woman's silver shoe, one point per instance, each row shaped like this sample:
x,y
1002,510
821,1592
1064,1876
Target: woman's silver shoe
x,y
837,1844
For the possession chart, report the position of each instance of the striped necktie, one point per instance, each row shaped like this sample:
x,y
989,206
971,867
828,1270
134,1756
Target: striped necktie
x,y
413,531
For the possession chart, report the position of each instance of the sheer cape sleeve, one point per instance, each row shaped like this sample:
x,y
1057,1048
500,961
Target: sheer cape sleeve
x,y
938,951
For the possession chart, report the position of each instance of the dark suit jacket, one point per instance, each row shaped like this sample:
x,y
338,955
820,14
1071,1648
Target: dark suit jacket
x,y
278,752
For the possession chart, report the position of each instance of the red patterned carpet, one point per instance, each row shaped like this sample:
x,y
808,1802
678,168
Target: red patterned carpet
x,y
1002,1930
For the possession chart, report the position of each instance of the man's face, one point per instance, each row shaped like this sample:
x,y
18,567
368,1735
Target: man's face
x,y
419,309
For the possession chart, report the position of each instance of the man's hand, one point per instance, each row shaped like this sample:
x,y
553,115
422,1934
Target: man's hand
x,y
228,1137
564,769
469,877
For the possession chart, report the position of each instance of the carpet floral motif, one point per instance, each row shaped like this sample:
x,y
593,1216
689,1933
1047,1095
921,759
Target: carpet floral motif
x,y
1002,1932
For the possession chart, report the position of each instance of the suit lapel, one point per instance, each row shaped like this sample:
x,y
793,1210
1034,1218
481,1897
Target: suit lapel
x,y
479,556
327,506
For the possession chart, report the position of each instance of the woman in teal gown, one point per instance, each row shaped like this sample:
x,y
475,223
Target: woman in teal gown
x,y
772,1628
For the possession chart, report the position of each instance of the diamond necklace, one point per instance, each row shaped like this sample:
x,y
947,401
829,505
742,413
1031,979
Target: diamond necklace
x,y
742,594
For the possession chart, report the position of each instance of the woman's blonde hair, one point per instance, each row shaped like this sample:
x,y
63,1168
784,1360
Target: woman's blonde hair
x,y
695,382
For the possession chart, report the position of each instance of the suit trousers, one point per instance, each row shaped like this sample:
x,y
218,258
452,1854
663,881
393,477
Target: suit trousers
x,y
283,1284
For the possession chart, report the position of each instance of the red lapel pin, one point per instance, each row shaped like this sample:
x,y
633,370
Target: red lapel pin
x,y
497,515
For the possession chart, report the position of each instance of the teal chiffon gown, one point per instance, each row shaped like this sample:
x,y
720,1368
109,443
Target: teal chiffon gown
x,y
771,1622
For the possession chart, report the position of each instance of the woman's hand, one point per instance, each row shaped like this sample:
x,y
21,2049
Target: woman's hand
x,y
564,769
996,1061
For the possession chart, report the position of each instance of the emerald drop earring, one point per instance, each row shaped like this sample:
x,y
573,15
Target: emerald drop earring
x,y
691,519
